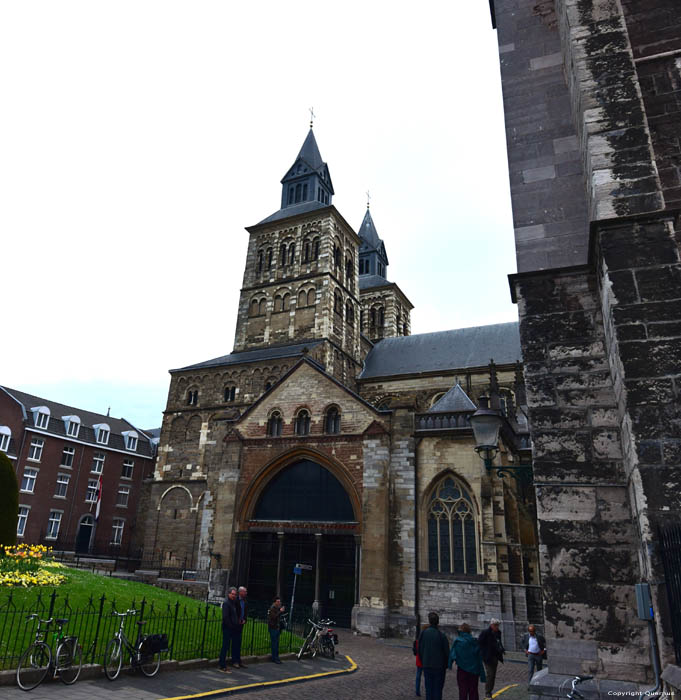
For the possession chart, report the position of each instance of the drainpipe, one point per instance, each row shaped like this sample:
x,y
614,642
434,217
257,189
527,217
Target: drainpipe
x,y
417,442
656,662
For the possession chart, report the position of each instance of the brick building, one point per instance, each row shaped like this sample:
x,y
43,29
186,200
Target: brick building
x,y
61,455
592,99
332,437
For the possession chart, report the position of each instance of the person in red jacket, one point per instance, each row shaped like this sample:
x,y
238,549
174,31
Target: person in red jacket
x,y
419,666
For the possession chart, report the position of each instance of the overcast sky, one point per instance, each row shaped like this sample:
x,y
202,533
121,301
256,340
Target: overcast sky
x,y
139,138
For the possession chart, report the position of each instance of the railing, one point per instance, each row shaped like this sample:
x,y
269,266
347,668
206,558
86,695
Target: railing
x,y
181,571
445,420
194,631
670,552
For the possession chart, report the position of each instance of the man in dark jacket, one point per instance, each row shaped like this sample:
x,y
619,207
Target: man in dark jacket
x,y
534,645
433,648
241,605
230,626
492,653
273,624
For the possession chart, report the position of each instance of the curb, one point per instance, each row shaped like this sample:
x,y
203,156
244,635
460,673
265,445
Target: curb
x,y
266,684
504,689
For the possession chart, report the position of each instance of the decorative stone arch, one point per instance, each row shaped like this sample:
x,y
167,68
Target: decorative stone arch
x,y
475,509
172,488
178,427
259,483
201,499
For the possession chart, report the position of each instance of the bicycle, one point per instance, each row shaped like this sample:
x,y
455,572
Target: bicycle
x,y
574,694
36,662
316,641
144,654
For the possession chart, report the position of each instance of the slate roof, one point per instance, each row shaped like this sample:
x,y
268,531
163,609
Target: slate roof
x,y
367,231
444,350
371,281
456,399
270,353
293,210
87,420
309,152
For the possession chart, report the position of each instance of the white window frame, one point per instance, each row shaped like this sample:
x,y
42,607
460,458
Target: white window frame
x,y
31,477
36,449
117,530
71,425
50,524
123,496
41,417
22,520
131,439
128,463
102,433
62,480
5,437
68,450
98,460
91,491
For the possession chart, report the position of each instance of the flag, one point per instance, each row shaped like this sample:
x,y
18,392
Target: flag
x,y
99,498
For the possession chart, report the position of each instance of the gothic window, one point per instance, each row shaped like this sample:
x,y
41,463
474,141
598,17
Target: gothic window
x,y
262,307
274,424
269,258
306,251
372,316
285,302
291,253
253,309
315,249
303,423
302,298
381,317
452,545
282,255
349,269
260,258
338,303
332,421
230,393
336,257
349,313
192,397
311,297
278,303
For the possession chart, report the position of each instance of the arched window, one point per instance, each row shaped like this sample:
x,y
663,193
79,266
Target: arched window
x,y
302,298
311,297
332,421
260,259
303,423
349,269
315,249
291,253
452,541
398,324
230,393
372,315
306,251
336,257
338,303
282,255
349,313
274,424
262,307
269,258
278,303
285,302
192,397
381,317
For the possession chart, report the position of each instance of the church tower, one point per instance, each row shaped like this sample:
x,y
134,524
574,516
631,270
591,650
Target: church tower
x,y
300,282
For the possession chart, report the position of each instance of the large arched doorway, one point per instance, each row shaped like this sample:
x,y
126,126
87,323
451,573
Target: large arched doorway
x,y
304,515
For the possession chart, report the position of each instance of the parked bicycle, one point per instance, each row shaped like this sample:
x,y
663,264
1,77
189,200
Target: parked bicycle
x,y
39,659
574,694
320,640
145,654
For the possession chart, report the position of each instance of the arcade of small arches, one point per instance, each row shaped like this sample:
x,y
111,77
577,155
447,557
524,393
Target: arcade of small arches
x,y
302,421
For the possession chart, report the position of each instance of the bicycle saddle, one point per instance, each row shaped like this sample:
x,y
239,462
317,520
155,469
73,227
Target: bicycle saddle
x,y
584,678
141,622
62,620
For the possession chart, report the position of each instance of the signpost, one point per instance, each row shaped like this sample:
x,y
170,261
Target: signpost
x,y
297,571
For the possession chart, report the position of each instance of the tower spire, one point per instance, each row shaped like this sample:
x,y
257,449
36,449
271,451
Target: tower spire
x,y
312,115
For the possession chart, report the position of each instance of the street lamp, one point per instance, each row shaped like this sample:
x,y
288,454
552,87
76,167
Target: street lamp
x,y
486,423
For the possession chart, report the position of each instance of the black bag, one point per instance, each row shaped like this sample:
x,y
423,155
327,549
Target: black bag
x,y
155,643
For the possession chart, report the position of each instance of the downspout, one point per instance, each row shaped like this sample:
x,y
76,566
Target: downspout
x,y
417,605
656,662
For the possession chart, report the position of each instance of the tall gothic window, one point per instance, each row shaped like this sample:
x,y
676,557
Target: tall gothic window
x,y
452,545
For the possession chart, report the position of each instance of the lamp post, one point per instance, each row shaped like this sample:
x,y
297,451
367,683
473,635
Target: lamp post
x,y
486,423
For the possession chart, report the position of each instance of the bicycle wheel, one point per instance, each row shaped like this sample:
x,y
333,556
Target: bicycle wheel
x,y
69,660
303,649
113,659
149,662
34,665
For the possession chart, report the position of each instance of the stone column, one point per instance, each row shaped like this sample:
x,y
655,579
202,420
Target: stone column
x,y
358,565
280,562
316,605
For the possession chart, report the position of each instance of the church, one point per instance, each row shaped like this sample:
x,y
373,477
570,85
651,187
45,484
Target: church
x,y
334,438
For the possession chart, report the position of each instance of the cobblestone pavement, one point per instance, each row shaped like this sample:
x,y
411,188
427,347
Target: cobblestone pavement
x,y
386,672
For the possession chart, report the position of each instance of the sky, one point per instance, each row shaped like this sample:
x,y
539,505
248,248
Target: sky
x,y
139,139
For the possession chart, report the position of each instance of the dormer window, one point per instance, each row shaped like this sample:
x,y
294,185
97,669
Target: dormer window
x,y
130,437
41,417
5,436
71,425
102,432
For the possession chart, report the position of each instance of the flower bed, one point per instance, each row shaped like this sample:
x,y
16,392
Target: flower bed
x,y
29,565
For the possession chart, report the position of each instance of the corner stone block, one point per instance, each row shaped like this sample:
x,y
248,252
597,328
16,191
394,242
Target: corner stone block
x,y
566,503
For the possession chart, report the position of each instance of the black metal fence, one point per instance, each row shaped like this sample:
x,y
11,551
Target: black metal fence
x,y
194,631
670,551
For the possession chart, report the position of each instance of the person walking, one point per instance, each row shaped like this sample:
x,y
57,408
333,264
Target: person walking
x,y
492,651
433,648
470,671
242,614
230,626
535,650
273,624
419,666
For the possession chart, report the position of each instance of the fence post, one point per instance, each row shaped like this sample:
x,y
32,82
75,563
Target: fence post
x,y
172,644
52,599
99,623
203,634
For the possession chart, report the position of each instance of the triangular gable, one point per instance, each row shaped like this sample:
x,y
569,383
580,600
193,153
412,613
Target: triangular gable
x,y
455,399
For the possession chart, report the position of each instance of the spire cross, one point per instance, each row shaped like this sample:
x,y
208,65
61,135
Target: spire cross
x,y
368,199
312,115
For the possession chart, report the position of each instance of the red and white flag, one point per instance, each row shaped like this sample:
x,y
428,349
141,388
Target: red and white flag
x,y
99,498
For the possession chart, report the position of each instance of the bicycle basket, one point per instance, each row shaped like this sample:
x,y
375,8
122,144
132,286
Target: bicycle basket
x,y
155,643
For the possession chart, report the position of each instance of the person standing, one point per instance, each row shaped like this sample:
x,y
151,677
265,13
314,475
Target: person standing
x,y
273,624
470,670
230,626
419,666
433,648
242,613
492,653
535,650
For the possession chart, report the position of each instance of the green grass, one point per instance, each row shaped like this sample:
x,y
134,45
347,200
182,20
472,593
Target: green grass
x,y
87,600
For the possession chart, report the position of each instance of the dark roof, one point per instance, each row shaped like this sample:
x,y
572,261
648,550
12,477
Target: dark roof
x,y
154,433
371,281
456,399
237,358
444,350
309,152
367,232
293,210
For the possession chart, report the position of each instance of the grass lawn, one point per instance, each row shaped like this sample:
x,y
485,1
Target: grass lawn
x,y
88,600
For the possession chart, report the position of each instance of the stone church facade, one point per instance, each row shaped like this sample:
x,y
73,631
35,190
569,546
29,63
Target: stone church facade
x,y
332,437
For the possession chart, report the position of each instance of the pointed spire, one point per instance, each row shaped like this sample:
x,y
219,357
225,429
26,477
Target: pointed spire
x,y
367,230
310,151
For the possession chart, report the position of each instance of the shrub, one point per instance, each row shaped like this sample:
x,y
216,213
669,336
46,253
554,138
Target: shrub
x,y
9,502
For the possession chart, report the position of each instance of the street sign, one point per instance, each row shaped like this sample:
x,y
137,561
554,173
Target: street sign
x,y
297,570
307,567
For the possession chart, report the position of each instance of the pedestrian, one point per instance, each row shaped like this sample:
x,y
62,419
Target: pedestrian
x,y
242,614
230,626
273,624
535,650
492,653
470,670
433,648
419,665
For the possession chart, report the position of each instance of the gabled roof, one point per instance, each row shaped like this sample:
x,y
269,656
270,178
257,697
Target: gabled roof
x,y
444,350
456,399
244,356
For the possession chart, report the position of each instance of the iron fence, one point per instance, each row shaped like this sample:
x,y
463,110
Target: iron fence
x,y
670,551
194,631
